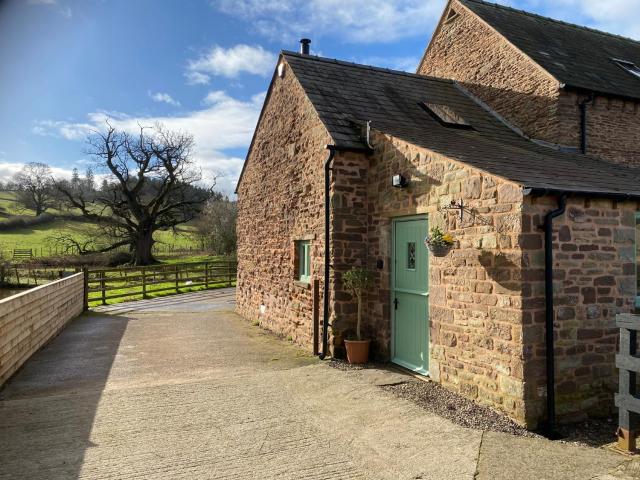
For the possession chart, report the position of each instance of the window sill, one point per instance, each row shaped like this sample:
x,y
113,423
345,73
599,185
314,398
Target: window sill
x,y
300,284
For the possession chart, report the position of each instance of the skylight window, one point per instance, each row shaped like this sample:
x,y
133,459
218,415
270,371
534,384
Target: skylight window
x,y
446,115
630,67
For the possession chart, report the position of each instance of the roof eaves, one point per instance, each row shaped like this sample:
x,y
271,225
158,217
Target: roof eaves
x,y
364,67
540,191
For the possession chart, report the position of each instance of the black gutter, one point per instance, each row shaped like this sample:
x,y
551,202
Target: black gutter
x,y
583,122
584,193
327,258
327,238
549,330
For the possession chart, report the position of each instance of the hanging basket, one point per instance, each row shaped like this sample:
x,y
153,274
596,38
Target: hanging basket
x,y
439,250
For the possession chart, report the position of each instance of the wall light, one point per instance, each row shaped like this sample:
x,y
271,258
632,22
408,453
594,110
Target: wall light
x,y
399,181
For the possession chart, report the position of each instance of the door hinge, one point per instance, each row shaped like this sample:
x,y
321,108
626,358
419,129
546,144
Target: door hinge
x,y
395,303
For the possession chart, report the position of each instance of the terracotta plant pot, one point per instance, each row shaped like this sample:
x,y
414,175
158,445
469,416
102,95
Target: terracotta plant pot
x,y
357,350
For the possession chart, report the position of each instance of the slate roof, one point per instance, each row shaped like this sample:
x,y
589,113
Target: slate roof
x,y
577,56
346,95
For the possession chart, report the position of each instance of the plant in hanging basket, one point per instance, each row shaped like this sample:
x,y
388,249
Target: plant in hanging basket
x,y
438,242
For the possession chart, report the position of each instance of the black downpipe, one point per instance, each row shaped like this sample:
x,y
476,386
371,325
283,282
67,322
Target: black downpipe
x,y
548,294
583,122
327,258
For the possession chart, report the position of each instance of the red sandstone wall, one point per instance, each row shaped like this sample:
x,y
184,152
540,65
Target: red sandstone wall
x,y
595,278
475,291
280,200
467,50
613,127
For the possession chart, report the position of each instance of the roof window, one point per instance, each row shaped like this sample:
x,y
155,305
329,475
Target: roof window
x,y
445,115
630,67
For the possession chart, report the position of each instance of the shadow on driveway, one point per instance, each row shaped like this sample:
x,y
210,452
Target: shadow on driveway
x,y
47,409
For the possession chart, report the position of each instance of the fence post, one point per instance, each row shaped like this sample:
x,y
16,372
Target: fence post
x,y
628,365
228,273
177,287
316,316
103,288
85,278
144,282
206,274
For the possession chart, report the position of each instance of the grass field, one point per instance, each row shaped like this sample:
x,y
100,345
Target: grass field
x,y
40,238
9,207
168,278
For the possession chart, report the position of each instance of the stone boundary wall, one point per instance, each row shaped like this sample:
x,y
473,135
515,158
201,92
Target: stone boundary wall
x,y
30,319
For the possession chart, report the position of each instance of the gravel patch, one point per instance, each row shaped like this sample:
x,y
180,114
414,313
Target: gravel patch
x,y
460,410
595,432
436,399
348,367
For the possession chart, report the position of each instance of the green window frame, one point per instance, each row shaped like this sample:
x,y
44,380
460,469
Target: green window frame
x,y
303,248
637,245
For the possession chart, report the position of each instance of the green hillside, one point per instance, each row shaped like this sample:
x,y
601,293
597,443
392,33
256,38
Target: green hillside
x,y
41,238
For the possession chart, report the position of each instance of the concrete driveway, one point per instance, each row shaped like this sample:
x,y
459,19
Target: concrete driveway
x,y
181,387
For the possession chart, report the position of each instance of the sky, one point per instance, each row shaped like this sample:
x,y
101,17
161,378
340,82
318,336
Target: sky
x,y
202,66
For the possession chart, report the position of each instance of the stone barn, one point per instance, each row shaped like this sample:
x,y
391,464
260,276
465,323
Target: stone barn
x,y
352,165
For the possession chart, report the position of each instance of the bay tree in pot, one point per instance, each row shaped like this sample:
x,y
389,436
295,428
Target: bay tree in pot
x,y
357,281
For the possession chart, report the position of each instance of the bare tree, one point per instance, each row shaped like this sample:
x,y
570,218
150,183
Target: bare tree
x,y
35,187
153,185
216,226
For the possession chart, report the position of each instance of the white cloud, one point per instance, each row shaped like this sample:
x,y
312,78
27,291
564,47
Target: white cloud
x,y
9,169
164,98
67,130
196,78
230,63
621,17
64,10
405,64
360,21
225,123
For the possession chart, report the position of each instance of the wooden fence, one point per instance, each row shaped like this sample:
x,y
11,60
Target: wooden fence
x,y
58,251
628,364
117,283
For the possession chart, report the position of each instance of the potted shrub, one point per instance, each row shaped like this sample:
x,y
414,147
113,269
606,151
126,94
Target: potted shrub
x,y
357,281
438,242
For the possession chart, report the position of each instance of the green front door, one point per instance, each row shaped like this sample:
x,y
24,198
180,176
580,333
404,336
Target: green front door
x,y
410,295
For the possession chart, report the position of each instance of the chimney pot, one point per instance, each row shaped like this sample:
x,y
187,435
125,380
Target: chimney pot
x,y
304,46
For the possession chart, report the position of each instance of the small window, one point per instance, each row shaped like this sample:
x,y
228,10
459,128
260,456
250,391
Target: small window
x,y
445,115
451,16
411,255
303,252
630,67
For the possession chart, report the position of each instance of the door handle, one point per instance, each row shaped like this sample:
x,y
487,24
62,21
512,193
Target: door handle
x,y
395,304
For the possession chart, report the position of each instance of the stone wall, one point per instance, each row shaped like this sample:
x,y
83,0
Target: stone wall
x,y
30,319
280,200
467,50
594,279
475,291
613,127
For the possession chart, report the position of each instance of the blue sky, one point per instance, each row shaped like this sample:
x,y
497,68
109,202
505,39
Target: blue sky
x,y
197,65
